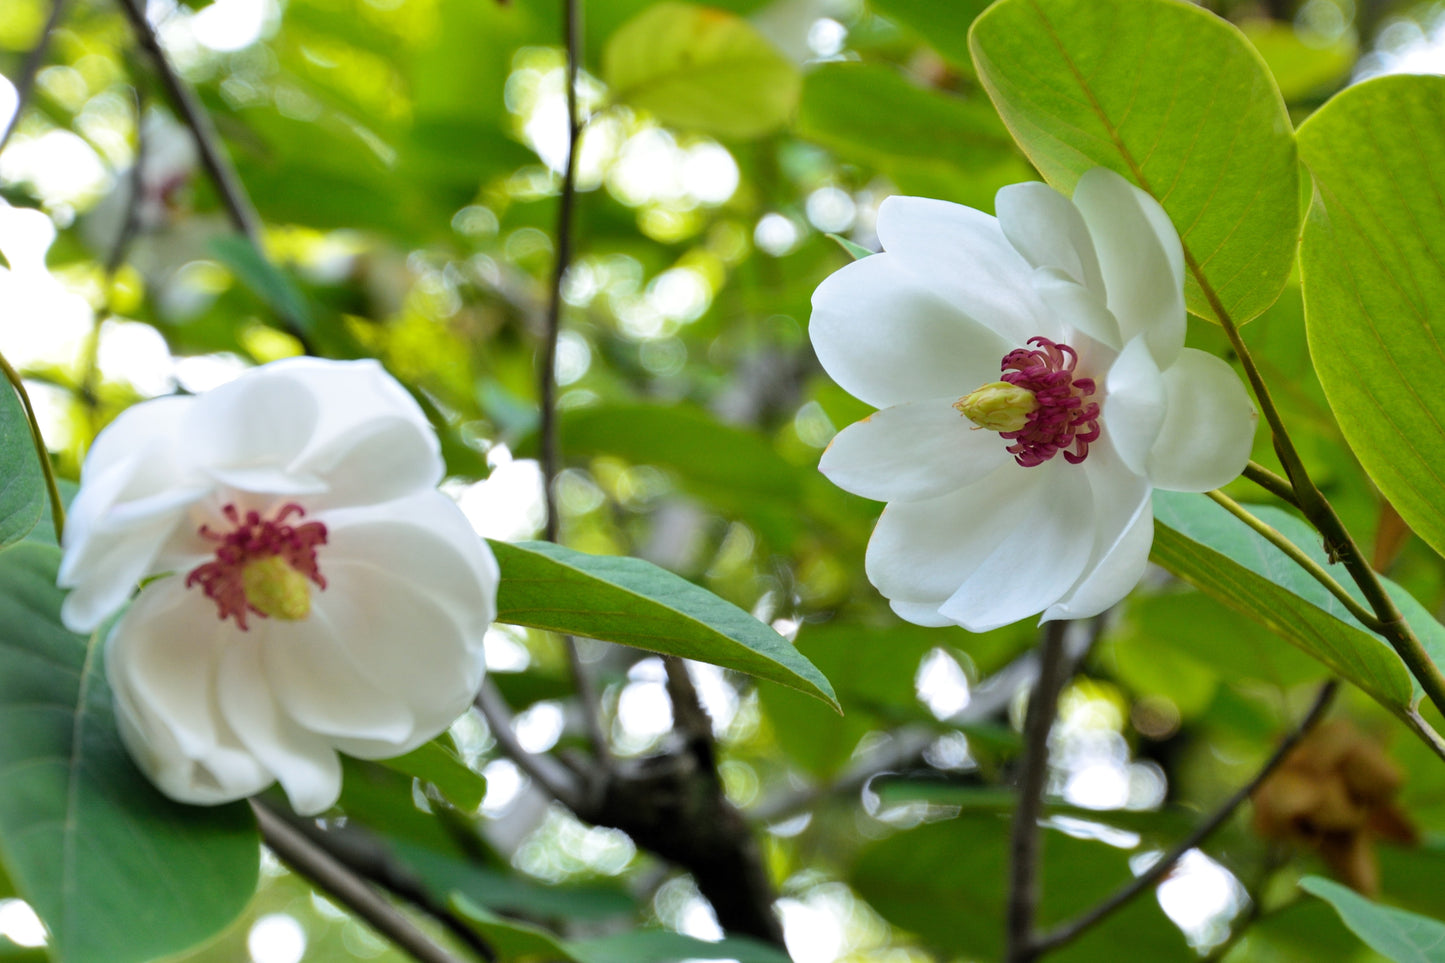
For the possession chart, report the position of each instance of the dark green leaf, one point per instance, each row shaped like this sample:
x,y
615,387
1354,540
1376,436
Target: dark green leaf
x,y
22,485
1402,936
1374,284
636,603
943,26
118,872
437,762
263,279
1173,98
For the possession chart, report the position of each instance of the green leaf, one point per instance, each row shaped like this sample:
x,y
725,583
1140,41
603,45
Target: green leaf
x,y
1402,936
943,26
701,68
263,279
1299,67
1203,544
856,251
1374,284
636,603
945,881
22,484
1176,100
118,872
437,762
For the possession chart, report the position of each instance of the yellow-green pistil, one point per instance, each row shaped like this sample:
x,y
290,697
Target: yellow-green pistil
x,y
276,589
998,406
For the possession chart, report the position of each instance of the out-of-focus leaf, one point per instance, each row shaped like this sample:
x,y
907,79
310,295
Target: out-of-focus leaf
x,y
437,762
1202,543
1176,100
263,279
943,26
856,251
963,863
1374,284
628,600
1298,67
22,485
117,871
1402,936
701,68
1159,824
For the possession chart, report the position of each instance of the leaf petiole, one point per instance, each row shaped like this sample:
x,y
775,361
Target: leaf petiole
x,y
57,507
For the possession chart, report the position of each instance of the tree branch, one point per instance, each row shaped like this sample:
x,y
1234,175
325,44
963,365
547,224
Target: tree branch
x,y
1072,930
324,870
30,69
544,770
1024,839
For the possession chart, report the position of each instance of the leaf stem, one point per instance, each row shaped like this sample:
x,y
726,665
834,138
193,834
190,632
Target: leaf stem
x,y
1274,484
1023,895
57,507
30,69
323,869
1313,568
1068,932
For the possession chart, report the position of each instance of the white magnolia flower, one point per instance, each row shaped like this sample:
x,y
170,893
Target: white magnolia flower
x,y
994,346
316,592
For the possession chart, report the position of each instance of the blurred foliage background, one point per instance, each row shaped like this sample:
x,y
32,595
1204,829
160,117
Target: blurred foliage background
x,y
404,157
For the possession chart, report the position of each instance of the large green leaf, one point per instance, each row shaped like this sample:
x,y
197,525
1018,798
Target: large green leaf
x,y
1202,543
636,603
22,486
1374,283
1173,98
701,68
945,881
1403,936
118,872
943,26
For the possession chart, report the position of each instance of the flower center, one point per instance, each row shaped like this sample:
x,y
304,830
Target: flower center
x,y
1039,405
262,565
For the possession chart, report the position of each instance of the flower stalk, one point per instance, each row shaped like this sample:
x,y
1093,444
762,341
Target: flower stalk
x,y
57,507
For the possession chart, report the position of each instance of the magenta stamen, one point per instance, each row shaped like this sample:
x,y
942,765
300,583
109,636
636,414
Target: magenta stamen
x,y
251,540
1063,420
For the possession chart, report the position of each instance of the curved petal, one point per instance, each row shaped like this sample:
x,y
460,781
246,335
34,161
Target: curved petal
x,y
920,613
376,461
1123,524
134,430
923,551
350,394
1208,427
1141,259
1035,563
912,451
258,420
1134,404
309,669
963,255
1076,307
1048,230
303,762
888,336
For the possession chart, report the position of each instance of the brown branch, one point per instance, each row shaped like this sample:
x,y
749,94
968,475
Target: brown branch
x,y
30,69
547,772
1024,839
325,871
1068,932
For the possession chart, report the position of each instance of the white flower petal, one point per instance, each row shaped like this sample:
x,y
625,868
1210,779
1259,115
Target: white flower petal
x,y
255,421
1113,574
912,451
309,667
1208,427
376,461
1047,229
1134,404
920,613
888,336
1141,258
351,395
267,479
303,763
136,429
923,551
963,255
1076,307
1036,562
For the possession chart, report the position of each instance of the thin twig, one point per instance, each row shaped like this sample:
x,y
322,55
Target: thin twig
x,y
1274,484
1072,930
1023,893
321,868
1313,568
57,507
544,770
30,69
587,693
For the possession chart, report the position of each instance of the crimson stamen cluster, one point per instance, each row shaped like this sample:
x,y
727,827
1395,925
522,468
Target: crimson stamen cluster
x,y
1063,420
252,540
